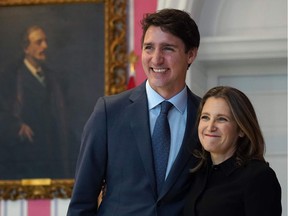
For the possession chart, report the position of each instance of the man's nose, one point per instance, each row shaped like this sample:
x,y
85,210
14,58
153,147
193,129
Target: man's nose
x,y
44,45
157,58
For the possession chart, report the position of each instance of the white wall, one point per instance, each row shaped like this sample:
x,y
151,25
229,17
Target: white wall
x,y
244,44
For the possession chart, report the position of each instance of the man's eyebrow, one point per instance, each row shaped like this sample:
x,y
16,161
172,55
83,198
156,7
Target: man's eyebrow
x,y
168,44
162,44
147,43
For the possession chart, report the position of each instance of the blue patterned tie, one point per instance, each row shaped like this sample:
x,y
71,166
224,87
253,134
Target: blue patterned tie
x,y
161,143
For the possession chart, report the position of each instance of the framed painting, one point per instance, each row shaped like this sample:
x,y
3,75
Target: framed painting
x,y
84,56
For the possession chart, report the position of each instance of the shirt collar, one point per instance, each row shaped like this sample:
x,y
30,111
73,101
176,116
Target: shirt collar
x,y
31,67
179,101
228,166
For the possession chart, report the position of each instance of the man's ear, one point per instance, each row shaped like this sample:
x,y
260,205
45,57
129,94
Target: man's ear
x,y
192,54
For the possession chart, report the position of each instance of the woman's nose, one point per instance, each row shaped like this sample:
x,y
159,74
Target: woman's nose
x,y
211,126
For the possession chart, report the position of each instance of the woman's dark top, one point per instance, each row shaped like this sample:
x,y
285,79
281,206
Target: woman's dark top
x,y
230,190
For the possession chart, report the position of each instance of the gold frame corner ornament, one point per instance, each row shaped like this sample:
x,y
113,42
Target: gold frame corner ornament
x,y
36,189
115,82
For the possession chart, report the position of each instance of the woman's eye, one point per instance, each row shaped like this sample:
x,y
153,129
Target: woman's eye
x,y
222,119
204,117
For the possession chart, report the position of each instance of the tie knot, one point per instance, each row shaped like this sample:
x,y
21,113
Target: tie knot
x,y
165,107
40,73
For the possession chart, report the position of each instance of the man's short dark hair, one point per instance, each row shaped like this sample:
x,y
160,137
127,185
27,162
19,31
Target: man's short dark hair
x,y
177,22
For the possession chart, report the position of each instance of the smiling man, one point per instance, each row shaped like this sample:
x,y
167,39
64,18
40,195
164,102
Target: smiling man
x,y
122,144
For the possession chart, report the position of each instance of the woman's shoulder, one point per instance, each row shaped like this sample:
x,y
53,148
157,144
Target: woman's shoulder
x,y
258,166
259,170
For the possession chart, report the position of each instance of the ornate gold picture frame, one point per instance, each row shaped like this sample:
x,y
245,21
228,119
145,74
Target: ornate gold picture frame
x,y
114,79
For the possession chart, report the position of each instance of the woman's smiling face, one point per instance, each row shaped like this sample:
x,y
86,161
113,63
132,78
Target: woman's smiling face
x,y
217,129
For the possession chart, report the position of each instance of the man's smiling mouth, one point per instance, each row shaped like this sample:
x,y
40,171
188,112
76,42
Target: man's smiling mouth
x,y
159,70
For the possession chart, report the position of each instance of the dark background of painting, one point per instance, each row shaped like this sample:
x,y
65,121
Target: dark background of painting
x,y
75,35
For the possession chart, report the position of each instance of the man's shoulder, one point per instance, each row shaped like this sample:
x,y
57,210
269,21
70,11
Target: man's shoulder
x,y
195,99
130,94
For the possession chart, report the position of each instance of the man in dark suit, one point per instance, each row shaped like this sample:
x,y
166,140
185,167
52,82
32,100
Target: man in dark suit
x,y
117,148
33,115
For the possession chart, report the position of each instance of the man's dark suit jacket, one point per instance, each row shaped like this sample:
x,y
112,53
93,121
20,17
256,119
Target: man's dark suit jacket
x,y
23,99
116,146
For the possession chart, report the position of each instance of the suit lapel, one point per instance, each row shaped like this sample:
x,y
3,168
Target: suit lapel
x,y
140,128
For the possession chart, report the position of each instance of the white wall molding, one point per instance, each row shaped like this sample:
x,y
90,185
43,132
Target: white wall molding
x,y
243,48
